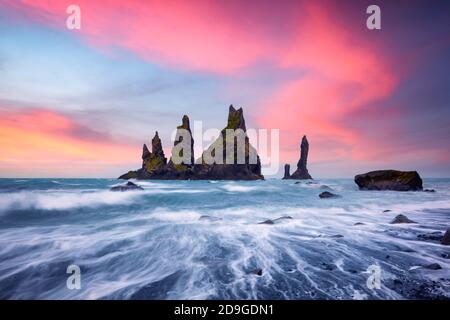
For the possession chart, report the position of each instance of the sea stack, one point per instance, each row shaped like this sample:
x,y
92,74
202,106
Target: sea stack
x,y
245,162
287,170
225,159
302,171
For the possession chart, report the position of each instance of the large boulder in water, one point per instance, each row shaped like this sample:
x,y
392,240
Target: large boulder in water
x,y
389,180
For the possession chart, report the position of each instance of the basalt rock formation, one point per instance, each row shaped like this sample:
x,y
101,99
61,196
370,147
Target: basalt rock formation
x,y
389,180
287,170
230,157
302,171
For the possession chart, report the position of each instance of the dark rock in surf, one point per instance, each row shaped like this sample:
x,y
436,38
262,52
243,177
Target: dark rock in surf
x,y
446,239
269,221
129,186
327,194
429,190
389,180
401,219
433,236
433,266
257,272
209,218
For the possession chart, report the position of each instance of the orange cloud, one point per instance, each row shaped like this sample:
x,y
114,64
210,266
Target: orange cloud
x,y
40,141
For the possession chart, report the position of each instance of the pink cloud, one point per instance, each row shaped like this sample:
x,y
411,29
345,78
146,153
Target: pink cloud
x,y
37,141
193,35
341,74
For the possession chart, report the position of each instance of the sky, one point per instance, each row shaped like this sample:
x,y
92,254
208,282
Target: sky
x,y
80,103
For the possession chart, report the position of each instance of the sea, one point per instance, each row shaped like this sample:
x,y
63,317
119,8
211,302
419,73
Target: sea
x,y
206,240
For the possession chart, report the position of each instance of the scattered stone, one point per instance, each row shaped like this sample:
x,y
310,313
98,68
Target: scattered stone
x,y
327,266
297,182
389,180
257,272
129,186
446,239
433,236
402,219
387,210
269,221
433,266
327,194
359,224
209,218
429,190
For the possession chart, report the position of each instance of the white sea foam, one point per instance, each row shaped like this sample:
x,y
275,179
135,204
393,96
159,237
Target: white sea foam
x,y
62,200
239,188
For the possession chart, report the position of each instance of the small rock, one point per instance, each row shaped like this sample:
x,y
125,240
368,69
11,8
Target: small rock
x,y
359,224
129,186
387,210
337,236
429,190
257,272
327,194
283,218
401,219
209,218
267,222
433,236
446,239
433,266
397,282
328,266
298,182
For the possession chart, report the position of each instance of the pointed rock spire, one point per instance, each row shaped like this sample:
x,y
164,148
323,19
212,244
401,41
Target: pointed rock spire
x,y
153,160
236,119
302,170
145,152
184,132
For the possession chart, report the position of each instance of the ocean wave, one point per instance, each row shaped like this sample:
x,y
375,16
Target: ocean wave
x,y
62,200
239,188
